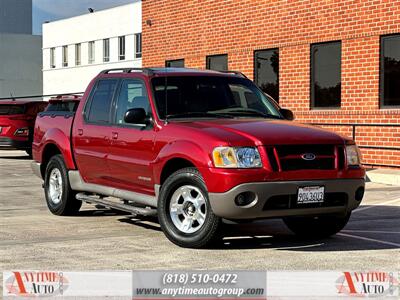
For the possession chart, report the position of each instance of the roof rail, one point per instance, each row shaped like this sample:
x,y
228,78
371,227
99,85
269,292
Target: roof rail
x,y
146,71
234,72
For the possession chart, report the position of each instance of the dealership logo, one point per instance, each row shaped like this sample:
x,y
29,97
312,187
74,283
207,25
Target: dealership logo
x,y
308,156
35,284
367,284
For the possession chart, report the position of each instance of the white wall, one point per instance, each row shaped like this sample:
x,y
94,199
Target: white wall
x,y
111,23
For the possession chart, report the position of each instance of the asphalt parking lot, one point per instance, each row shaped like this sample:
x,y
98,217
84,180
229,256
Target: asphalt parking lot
x,y
32,238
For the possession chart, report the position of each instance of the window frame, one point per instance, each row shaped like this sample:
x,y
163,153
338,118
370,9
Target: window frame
x,y
312,93
106,50
121,40
52,58
209,57
88,104
65,56
138,41
78,54
255,73
114,106
91,50
382,72
175,60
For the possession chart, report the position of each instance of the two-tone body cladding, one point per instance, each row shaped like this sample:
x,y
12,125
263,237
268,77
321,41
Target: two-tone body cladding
x,y
195,147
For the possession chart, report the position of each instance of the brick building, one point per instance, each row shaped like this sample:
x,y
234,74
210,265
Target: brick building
x,y
330,61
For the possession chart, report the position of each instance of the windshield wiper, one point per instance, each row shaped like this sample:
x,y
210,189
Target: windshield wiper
x,y
199,115
248,112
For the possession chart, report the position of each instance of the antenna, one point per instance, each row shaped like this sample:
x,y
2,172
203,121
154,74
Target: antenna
x,y
12,96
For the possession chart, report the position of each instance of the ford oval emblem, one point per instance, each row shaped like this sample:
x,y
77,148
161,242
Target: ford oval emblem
x,y
308,156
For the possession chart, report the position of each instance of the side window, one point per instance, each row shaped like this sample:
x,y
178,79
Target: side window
x,y
132,94
99,110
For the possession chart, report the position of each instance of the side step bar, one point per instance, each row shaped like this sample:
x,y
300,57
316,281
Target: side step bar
x,y
119,206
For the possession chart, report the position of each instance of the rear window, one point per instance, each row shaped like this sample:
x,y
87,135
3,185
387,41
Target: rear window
x,y
12,109
63,106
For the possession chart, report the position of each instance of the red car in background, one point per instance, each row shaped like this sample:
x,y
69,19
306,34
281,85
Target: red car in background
x,y
17,119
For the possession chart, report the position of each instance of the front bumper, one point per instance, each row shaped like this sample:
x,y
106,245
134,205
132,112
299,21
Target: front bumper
x,y
11,144
278,199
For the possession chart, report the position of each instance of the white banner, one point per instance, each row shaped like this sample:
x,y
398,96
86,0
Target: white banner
x,y
56,283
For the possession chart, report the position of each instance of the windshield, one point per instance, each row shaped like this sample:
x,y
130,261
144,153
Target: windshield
x,y
210,96
11,109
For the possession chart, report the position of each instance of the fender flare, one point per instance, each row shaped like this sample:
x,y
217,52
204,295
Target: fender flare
x,y
182,149
58,138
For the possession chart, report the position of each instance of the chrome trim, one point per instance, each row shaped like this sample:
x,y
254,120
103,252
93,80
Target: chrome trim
x,y
77,184
35,166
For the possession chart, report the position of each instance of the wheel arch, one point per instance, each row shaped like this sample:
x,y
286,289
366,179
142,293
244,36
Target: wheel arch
x,y
178,155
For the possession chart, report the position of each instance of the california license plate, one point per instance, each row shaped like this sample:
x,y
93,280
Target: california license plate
x,y
310,194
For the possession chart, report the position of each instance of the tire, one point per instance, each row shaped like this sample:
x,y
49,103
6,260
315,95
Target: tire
x,y
187,222
316,227
60,198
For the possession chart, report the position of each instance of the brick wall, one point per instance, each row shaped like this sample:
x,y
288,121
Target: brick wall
x,y
192,29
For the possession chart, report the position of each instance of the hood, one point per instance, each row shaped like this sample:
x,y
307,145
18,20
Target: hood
x,y
265,131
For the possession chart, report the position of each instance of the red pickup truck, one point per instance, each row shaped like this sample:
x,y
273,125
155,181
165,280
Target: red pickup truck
x,y
17,118
195,147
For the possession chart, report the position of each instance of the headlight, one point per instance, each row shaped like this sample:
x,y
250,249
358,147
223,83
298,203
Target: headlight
x,y
353,155
236,157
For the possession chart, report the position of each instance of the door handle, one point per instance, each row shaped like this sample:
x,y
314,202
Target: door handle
x,y
80,131
115,135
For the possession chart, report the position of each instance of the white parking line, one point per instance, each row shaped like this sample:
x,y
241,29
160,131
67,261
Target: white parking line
x,y
372,205
372,231
368,239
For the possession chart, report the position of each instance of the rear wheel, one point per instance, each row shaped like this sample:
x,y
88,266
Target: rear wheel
x,y
60,197
184,210
316,227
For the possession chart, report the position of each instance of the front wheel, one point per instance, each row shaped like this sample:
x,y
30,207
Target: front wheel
x,y
184,210
316,227
60,197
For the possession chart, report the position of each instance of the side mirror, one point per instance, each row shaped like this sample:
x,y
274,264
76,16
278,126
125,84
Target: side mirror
x,y
136,116
287,114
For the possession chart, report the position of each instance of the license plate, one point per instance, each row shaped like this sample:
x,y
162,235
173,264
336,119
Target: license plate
x,y
310,194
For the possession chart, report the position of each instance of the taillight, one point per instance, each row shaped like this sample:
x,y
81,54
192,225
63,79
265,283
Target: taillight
x,y
22,132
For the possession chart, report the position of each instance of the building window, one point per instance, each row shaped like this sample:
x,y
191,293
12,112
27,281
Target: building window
x,y
326,75
77,54
217,62
176,63
121,48
106,50
138,45
390,71
52,58
91,53
266,71
65,56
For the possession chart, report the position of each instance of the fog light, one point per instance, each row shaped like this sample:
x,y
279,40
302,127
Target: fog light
x,y
359,194
245,198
